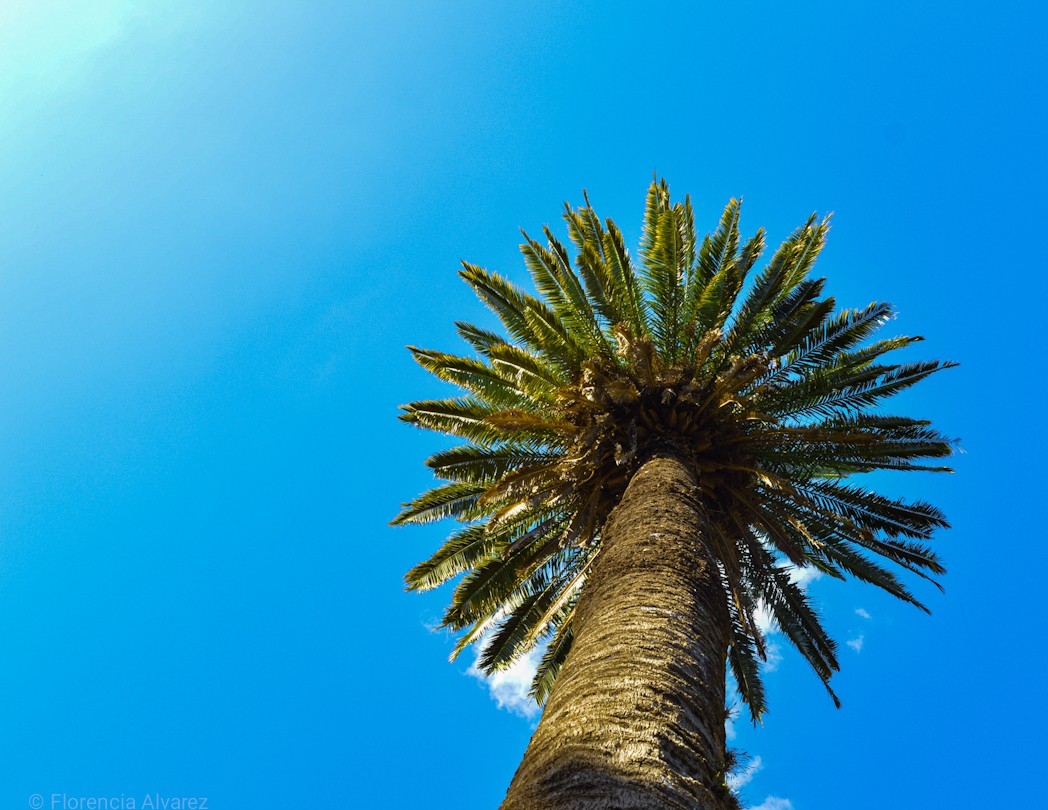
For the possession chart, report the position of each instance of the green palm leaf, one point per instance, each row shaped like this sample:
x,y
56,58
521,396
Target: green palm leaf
x,y
756,378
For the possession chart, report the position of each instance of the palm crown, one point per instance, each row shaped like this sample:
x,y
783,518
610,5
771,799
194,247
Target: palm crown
x,y
772,392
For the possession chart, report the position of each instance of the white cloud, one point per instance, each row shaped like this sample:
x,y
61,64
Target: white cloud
x,y
856,643
774,803
862,613
762,616
774,653
803,576
509,688
742,778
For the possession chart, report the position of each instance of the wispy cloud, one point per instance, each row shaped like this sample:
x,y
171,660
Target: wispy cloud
x,y
509,688
804,576
434,624
762,616
773,803
856,643
862,613
774,653
745,776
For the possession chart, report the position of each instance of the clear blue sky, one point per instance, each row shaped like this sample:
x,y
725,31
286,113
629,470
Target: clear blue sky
x,y
221,222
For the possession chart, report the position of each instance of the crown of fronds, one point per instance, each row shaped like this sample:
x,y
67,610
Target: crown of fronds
x,y
772,392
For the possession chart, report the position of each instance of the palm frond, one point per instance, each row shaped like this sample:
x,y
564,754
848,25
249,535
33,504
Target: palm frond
x,y
770,393
552,660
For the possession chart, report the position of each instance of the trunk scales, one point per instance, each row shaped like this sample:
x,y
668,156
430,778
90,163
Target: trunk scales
x,y
636,717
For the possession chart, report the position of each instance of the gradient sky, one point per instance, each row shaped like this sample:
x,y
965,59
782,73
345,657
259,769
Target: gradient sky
x,y
221,222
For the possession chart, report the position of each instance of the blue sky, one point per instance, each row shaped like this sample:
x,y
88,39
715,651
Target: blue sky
x,y
220,224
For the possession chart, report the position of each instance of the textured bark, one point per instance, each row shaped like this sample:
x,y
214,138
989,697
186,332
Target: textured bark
x,y
636,717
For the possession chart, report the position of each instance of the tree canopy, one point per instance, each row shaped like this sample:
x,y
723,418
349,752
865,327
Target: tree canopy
x,y
776,394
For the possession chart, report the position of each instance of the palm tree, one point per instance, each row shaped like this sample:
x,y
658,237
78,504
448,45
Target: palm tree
x,y
647,455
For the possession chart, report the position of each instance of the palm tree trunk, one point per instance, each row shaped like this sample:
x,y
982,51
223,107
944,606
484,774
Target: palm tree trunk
x,y
636,717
